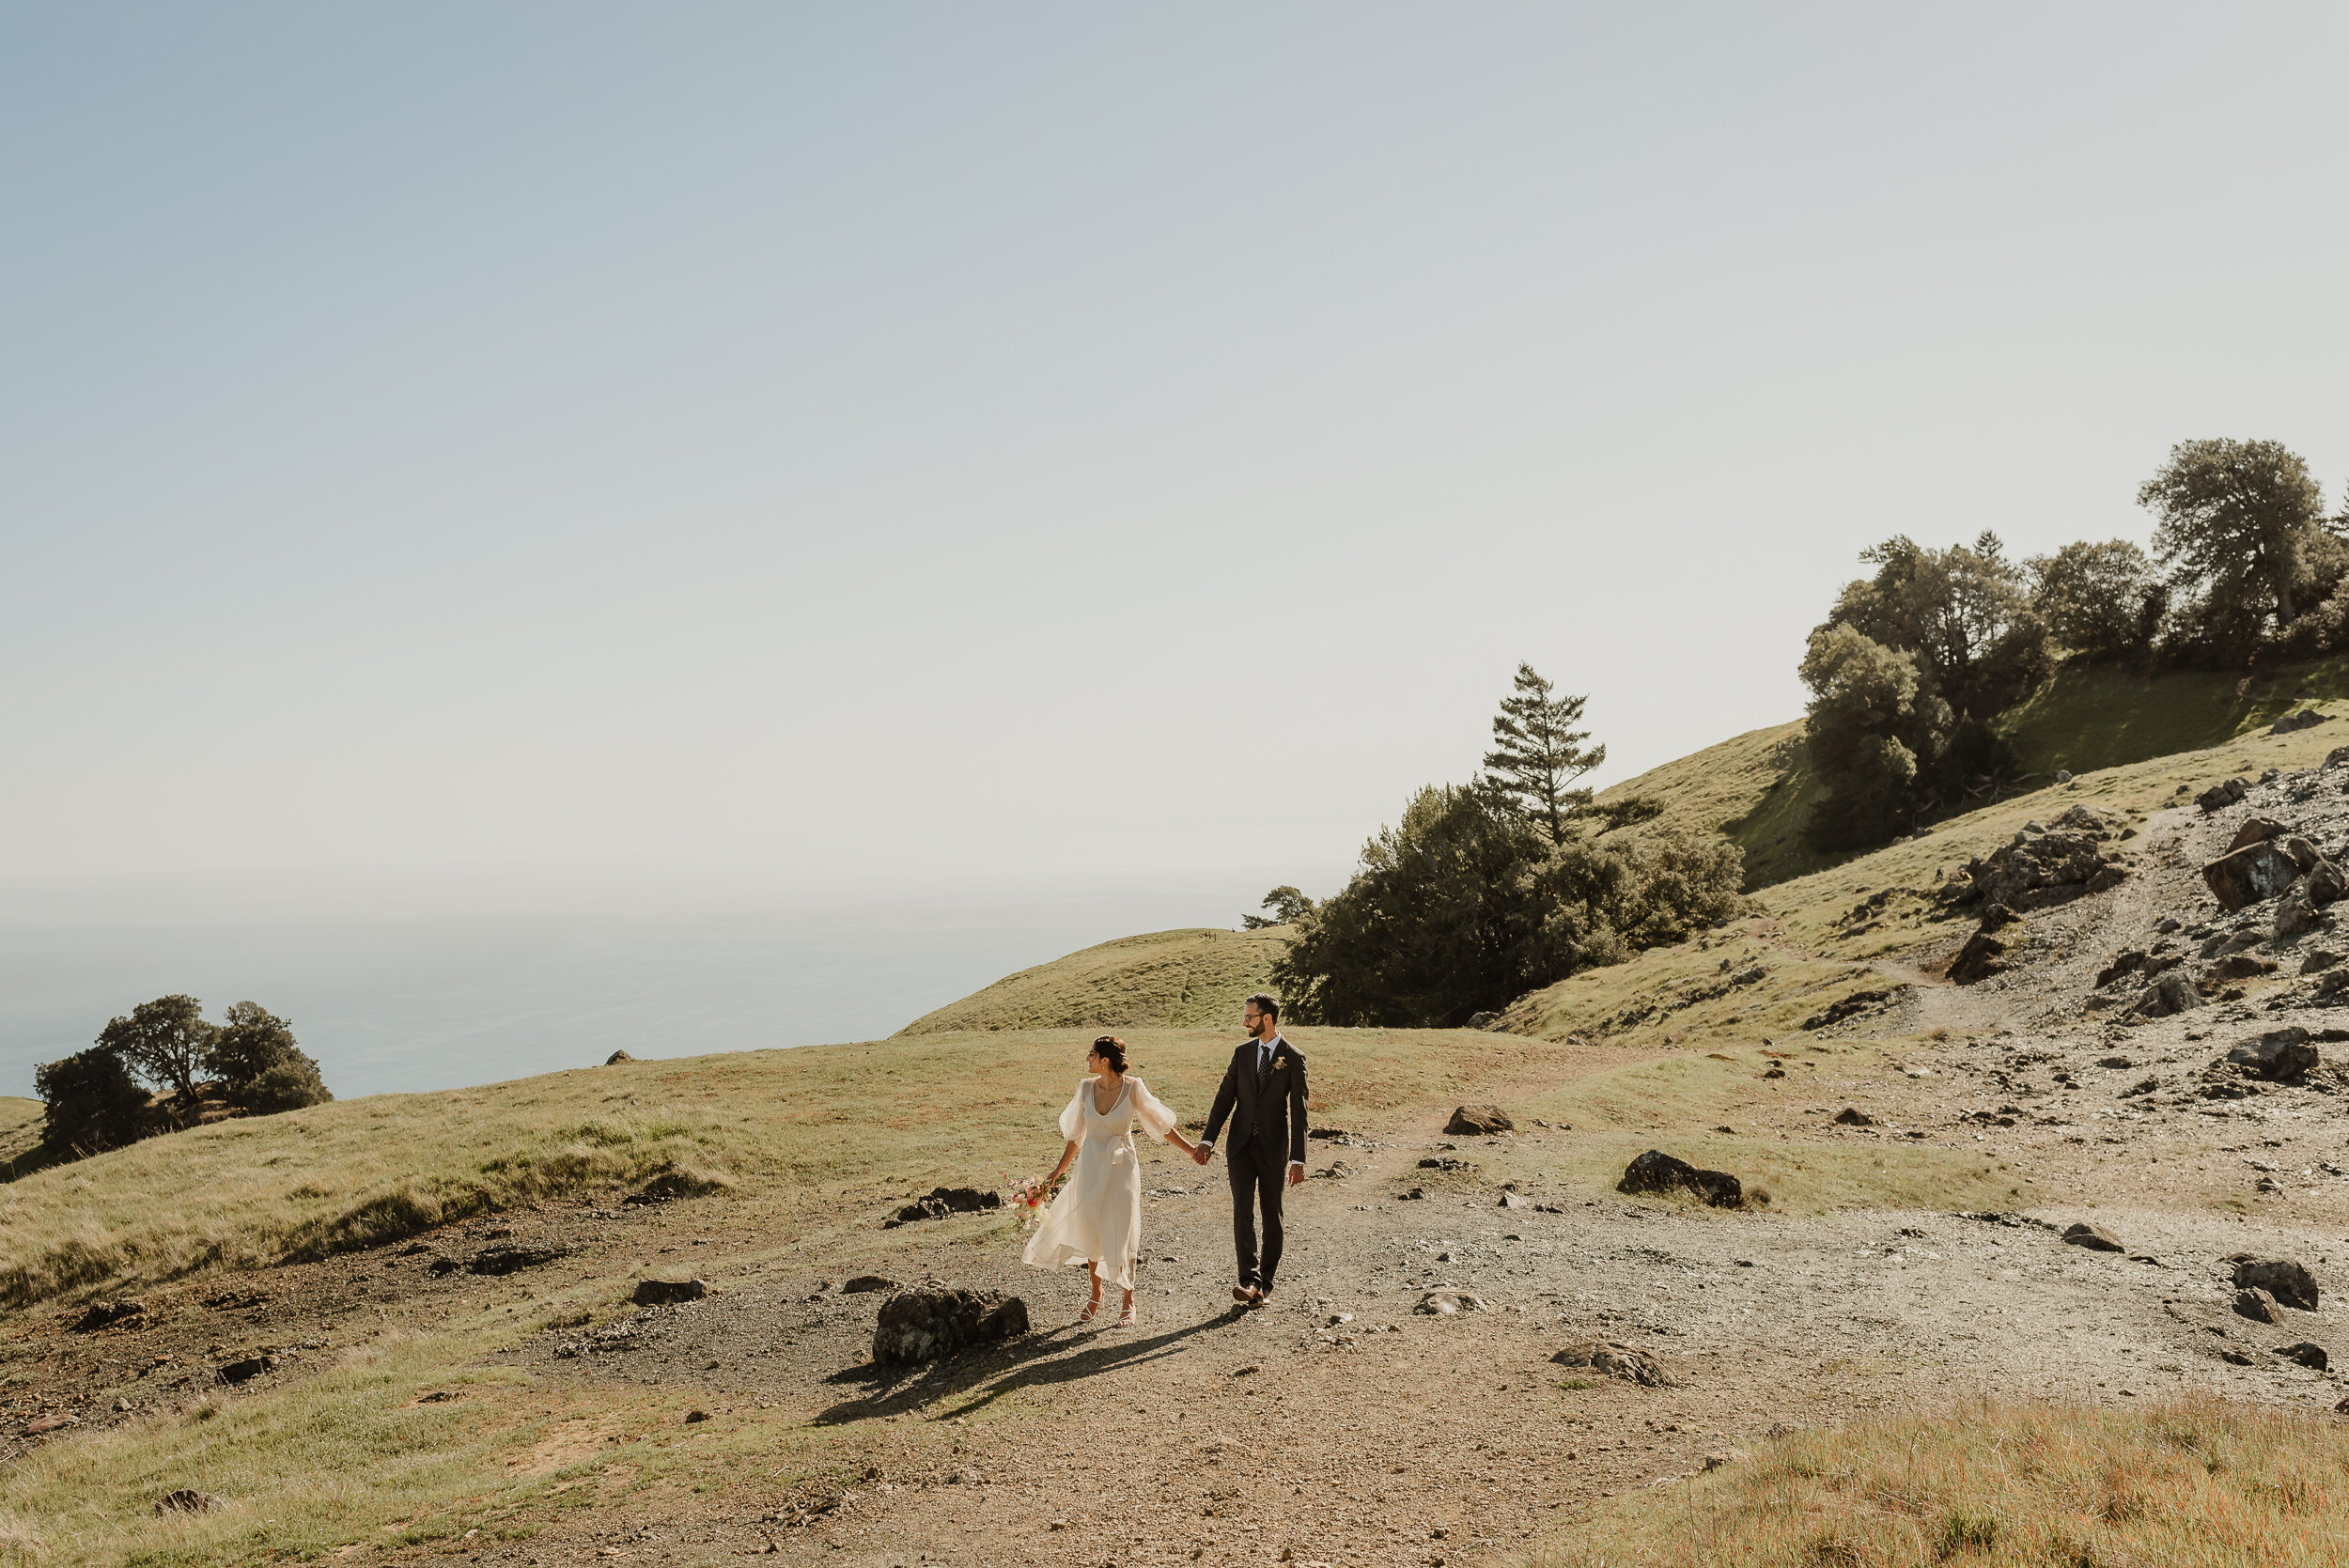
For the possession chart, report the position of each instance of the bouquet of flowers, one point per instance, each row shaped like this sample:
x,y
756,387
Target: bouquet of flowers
x,y
1029,1194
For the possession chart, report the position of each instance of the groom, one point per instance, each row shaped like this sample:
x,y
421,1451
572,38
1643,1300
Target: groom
x,y
1265,1086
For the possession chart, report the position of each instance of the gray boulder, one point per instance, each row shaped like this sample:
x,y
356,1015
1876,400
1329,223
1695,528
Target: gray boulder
x,y
667,1293
2171,994
939,1320
2307,718
2095,1238
2286,1282
2250,875
2258,1306
2218,796
2308,1355
2295,912
2255,830
1658,1171
942,1201
2279,1053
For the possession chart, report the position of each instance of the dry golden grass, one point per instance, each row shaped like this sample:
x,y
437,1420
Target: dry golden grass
x,y
2204,1483
20,1133
1188,979
798,1122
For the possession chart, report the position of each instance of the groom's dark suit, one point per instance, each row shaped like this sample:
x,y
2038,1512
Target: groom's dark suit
x,y
1264,1097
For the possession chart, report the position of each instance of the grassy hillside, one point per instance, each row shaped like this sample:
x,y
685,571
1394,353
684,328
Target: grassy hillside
x,y
1684,996
1756,789
2086,719
1164,980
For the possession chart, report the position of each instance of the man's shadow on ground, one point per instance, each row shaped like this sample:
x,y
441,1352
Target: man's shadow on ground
x,y
1022,1363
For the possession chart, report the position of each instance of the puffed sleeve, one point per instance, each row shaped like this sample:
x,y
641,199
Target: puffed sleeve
x,y
1072,1119
1151,1112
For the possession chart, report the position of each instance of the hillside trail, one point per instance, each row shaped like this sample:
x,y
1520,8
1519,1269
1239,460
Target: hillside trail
x,y
1346,1424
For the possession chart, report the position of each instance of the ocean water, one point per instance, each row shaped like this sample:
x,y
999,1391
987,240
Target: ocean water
x,y
392,994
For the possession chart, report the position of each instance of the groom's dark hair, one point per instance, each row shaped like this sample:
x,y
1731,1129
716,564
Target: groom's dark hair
x,y
1267,1005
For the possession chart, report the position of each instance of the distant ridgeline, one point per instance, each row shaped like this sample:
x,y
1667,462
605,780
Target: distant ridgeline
x,y
1166,980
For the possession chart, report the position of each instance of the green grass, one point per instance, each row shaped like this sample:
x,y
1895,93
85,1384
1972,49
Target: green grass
x,y
2104,716
2002,1485
1165,980
1757,791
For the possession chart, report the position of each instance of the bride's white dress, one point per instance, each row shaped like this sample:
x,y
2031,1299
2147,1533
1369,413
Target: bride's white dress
x,y
1098,1214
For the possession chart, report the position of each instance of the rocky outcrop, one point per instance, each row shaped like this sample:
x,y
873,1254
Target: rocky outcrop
x,y
2169,994
1444,1303
2307,1354
2288,1282
939,1320
2257,1305
2251,874
2277,1055
942,1201
1658,1171
2307,718
2218,796
668,1293
2038,869
2095,1238
1610,1359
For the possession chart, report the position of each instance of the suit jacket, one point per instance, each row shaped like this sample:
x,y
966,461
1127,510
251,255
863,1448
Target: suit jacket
x,y
1268,1115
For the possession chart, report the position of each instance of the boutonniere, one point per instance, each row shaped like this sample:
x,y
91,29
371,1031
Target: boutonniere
x,y
1279,1062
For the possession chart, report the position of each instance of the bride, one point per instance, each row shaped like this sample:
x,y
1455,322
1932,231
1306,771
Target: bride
x,y
1097,1217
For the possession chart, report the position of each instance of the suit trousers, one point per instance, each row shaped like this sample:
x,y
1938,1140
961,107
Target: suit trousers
x,y
1259,1174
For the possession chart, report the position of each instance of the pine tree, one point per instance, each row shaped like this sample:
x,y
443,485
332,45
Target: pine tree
x,y
1538,753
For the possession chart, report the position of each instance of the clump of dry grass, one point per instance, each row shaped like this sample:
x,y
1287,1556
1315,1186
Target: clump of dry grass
x,y
2202,1482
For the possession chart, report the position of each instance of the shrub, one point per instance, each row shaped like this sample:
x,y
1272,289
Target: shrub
x,y
93,1103
1466,905
261,1068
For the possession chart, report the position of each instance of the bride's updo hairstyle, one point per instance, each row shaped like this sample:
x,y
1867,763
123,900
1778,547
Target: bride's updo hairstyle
x,y
1112,1049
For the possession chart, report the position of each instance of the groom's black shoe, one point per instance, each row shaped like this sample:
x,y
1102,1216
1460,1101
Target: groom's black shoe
x,y
1246,1296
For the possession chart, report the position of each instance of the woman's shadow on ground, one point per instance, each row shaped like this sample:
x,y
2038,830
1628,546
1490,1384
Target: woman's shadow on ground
x,y
987,1374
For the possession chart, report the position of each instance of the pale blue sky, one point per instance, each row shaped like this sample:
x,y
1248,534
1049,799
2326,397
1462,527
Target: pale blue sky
x,y
907,443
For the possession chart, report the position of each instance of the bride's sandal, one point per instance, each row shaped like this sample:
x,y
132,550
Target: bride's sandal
x,y
1125,1318
1091,1306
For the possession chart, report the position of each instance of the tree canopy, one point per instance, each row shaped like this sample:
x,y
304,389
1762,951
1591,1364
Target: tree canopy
x,y
2236,523
167,1040
1537,753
